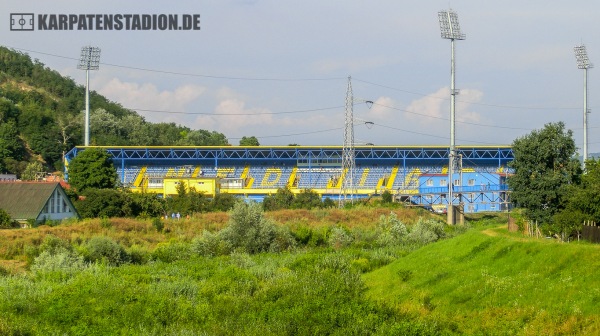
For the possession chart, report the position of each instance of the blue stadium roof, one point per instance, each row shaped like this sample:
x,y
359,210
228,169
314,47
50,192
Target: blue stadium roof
x,y
140,155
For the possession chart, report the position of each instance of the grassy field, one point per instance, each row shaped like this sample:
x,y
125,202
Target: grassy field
x,y
140,234
490,282
482,281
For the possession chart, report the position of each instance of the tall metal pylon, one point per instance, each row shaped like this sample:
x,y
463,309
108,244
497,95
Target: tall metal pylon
x,y
347,189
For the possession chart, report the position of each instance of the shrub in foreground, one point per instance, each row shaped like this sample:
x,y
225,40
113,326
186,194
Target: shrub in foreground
x,y
250,231
426,231
104,249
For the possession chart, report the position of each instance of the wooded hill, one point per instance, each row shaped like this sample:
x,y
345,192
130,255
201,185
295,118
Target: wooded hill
x,y
41,116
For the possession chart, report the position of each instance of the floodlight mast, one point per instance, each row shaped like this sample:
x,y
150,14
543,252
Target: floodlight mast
x,y
583,62
450,29
89,60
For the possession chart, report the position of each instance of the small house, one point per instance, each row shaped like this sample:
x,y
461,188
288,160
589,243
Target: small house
x,y
36,201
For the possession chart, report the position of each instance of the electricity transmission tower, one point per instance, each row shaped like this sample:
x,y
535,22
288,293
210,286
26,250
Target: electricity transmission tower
x,y
348,164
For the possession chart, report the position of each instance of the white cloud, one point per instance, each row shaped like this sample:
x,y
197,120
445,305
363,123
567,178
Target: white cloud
x,y
382,109
232,115
148,97
436,106
464,102
429,107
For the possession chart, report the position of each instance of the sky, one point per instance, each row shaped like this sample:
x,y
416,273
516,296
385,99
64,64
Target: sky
x,y
279,69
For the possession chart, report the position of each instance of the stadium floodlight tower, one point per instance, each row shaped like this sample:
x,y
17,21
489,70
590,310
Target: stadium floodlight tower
x,y
89,60
583,62
450,29
348,153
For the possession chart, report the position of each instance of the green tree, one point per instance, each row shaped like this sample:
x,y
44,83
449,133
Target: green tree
x,y
146,205
583,203
5,220
92,168
281,200
31,171
11,146
544,166
249,141
98,203
307,199
113,130
203,138
139,131
8,110
386,197
223,202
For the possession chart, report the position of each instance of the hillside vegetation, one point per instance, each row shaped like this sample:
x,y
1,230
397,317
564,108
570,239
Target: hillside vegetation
x,y
41,116
489,282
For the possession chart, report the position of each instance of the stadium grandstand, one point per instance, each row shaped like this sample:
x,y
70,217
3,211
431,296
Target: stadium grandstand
x,y
415,175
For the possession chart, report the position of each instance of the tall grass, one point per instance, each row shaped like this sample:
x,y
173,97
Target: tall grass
x,y
301,293
496,285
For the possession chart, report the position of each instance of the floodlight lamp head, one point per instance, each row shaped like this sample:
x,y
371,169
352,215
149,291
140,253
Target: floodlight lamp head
x,y
89,59
449,26
583,62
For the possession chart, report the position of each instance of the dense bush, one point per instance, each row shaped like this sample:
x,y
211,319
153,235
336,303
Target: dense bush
x,y
60,264
146,205
329,203
104,249
426,231
307,199
98,203
189,201
210,245
391,231
386,197
103,203
307,236
5,221
282,199
51,244
158,224
138,254
223,202
340,237
171,251
249,230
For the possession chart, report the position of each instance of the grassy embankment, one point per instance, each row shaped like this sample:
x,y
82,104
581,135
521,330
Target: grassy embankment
x,y
488,281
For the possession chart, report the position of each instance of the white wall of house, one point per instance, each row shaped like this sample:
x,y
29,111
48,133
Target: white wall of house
x,y
57,208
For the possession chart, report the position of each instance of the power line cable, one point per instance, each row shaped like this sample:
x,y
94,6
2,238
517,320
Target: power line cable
x,y
294,134
446,119
188,74
466,101
238,114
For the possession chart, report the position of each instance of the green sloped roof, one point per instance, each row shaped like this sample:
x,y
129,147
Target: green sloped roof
x,y
25,200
